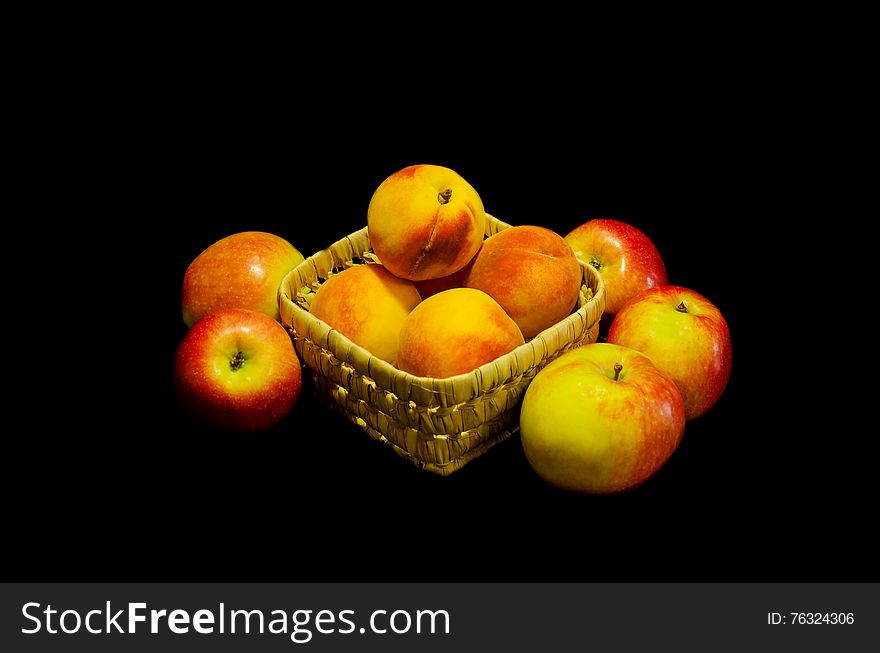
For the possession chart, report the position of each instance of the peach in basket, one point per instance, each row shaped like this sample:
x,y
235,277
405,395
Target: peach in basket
x,y
425,222
438,424
531,272
368,305
454,332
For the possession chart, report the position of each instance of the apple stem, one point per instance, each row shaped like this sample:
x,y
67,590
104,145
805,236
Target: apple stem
x,y
236,362
617,368
444,195
681,308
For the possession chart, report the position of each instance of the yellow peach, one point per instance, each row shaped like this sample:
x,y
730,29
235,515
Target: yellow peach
x,y
368,305
454,332
531,272
425,221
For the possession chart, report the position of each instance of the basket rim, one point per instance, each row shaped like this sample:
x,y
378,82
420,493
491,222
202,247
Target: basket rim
x,y
444,384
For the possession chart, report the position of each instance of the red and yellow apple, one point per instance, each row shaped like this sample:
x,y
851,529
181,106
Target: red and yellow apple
x,y
625,257
600,419
243,270
532,272
425,221
454,332
686,335
367,304
236,370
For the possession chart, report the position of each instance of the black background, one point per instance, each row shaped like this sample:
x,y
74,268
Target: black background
x,y
109,481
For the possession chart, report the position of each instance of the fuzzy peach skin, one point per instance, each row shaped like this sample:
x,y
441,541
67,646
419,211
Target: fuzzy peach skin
x,y
454,332
425,221
532,272
368,305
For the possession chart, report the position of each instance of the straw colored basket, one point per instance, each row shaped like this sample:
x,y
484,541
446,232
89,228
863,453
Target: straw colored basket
x,y
438,424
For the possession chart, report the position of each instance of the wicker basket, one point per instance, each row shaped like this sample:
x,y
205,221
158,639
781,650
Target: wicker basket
x,y
438,424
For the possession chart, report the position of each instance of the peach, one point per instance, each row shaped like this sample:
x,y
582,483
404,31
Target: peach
x,y
425,221
454,332
531,272
368,305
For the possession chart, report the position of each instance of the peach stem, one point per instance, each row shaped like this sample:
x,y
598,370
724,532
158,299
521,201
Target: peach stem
x,y
444,195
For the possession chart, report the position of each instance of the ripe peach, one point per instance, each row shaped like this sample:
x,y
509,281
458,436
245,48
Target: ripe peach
x,y
368,305
425,221
532,272
454,332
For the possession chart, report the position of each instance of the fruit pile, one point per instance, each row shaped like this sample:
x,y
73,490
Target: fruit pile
x,y
442,299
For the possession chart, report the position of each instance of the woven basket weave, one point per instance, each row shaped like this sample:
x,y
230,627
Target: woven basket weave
x,y
437,424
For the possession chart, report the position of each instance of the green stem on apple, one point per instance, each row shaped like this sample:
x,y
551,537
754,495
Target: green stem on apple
x,y
617,368
237,362
681,308
444,195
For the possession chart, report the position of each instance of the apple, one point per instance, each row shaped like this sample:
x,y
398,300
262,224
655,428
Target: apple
x,y
625,257
686,335
600,419
243,270
236,370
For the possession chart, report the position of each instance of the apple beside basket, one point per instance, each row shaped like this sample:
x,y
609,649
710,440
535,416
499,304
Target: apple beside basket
x,y
437,424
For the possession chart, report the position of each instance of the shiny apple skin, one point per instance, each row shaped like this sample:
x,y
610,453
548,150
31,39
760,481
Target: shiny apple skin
x,y
625,257
686,335
237,370
243,270
587,427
